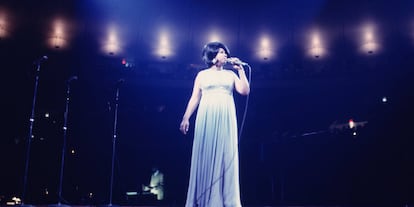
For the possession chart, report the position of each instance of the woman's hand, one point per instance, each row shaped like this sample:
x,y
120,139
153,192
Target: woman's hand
x,y
184,126
238,67
236,62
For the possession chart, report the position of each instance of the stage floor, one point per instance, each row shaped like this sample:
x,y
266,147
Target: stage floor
x,y
114,205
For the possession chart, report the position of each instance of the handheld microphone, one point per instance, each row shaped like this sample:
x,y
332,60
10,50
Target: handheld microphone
x,y
72,78
236,61
40,60
120,81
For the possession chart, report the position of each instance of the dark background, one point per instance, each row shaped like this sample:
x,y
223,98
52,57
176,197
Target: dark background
x,y
288,154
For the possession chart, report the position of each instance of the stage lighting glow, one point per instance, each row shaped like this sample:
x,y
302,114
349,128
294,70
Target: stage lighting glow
x,y
164,46
370,47
3,24
112,43
265,51
47,115
214,37
131,193
17,200
369,39
384,99
265,42
317,49
128,62
2,28
351,123
57,39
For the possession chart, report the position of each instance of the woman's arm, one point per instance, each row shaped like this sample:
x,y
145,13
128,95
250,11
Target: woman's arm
x,y
241,83
191,106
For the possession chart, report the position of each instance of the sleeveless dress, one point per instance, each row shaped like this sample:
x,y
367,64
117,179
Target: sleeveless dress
x,y
214,173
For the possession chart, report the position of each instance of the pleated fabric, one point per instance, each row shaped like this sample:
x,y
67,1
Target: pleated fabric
x,y
214,173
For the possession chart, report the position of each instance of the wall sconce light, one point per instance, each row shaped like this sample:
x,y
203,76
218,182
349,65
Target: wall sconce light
x,y
112,46
57,41
3,31
265,51
265,54
369,40
370,47
214,37
164,46
164,52
316,50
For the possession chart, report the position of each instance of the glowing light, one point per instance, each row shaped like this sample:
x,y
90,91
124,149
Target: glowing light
x,y
58,39
128,62
316,51
316,40
72,151
369,40
351,124
3,24
368,36
265,42
214,37
316,46
265,51
112,43
164,46
2,28
47,115
16,200
384,99
131,193
354,133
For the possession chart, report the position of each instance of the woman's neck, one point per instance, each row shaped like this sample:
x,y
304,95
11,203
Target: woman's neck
x,y
216,67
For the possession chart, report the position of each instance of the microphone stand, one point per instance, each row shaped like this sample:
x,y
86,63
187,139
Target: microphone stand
x,y
65,121
29,138
114,141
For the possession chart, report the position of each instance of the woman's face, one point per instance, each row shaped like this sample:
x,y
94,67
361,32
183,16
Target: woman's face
x,y
221,56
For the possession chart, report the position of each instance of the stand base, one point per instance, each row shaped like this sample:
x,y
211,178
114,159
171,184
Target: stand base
x,y
58,205
25,205
108,205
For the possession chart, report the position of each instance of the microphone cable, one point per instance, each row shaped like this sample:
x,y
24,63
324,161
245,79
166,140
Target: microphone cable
x,y
239,135
247,103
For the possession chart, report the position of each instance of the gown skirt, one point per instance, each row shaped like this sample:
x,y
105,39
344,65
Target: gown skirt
x,y
214,173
